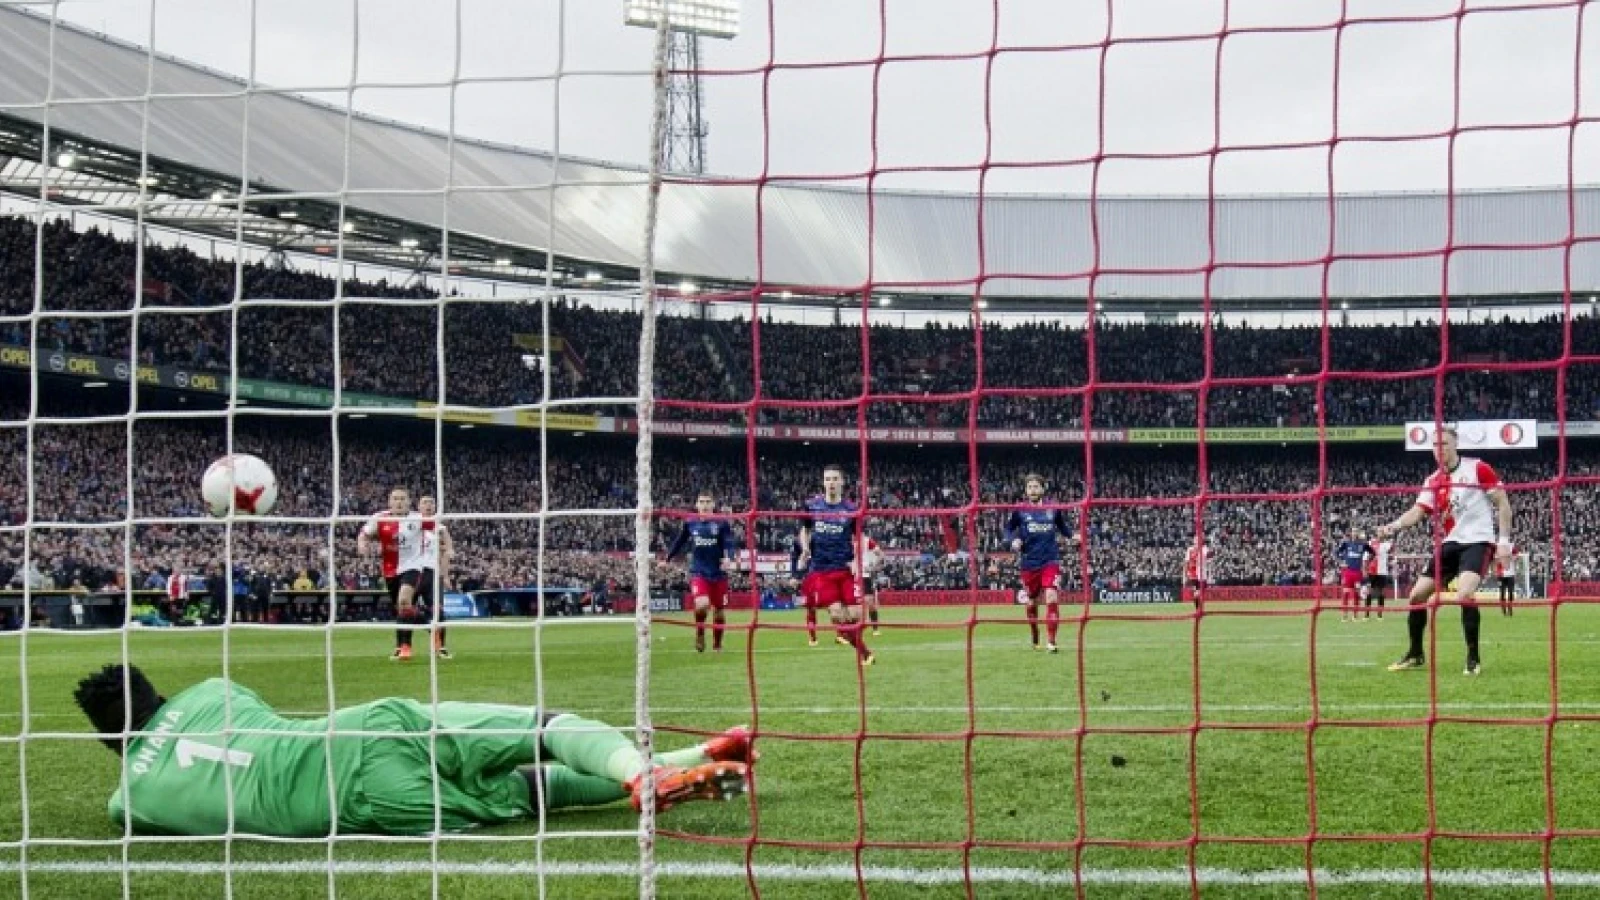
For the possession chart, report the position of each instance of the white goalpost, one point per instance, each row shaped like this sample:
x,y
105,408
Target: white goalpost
x,y
110,163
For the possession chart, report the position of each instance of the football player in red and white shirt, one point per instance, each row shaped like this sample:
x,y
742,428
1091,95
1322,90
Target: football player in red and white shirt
x,y
398,532
1379,577
1469,493
871,566
1195,563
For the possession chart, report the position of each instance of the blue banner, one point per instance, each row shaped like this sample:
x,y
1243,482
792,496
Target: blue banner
x,y
461,606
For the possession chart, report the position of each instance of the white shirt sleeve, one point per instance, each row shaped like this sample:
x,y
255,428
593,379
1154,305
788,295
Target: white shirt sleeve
x,y
1425,498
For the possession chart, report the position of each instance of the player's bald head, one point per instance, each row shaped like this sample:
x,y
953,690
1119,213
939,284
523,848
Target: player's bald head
x,y
118,699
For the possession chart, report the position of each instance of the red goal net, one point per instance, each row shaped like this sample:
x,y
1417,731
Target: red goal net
x,y
1198,267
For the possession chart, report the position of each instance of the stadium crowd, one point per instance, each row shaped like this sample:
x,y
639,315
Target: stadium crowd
x,y
81,476
387,340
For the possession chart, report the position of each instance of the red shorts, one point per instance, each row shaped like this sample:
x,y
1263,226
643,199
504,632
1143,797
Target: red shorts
x,y
1036,581
705,587
805,597
1349,578
828,588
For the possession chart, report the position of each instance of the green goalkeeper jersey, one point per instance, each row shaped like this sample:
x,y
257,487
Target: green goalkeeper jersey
x,y
176,778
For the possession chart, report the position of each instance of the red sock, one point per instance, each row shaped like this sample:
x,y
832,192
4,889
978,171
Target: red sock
x,y
1033,621
857,636
1052,620
699,623
811,622
718,620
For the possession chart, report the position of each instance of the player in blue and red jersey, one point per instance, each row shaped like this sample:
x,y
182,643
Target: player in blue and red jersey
x,y
828,548
1030,531
709,542
1352,555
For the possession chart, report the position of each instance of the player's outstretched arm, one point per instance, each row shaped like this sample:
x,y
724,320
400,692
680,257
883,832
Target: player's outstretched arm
x,y
447,553
1502,512
679,543
1011,531
1412,516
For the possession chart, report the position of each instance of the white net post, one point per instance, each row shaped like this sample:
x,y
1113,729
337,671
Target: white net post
x,y
643,523
240,423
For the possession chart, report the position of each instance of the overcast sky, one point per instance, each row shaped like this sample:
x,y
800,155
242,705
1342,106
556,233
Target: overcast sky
x,y
1394,78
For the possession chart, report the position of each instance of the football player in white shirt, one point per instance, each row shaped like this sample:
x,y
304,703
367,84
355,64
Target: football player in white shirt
x,y
871,575
396,533
1474,503
437,551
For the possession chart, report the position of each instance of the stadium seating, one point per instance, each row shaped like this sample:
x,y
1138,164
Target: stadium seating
x,y
391,349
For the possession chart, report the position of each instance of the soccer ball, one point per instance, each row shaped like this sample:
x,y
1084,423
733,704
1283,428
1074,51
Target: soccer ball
x,y
240,482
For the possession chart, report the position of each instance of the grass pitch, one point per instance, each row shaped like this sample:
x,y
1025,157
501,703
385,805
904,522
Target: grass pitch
x,y
1263,774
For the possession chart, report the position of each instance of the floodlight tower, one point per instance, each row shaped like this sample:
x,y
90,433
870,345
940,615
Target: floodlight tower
x,y
683,142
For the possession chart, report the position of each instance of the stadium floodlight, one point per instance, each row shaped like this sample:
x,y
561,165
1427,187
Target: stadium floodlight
x,y
66,160
409,243
712,18
885,301
502,262
592,276
687,287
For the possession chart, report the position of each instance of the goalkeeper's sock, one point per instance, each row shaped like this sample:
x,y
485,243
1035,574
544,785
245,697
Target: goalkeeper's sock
x,y
1033,622
591,748
1470,621
1052,621
687,758
1416,624
565,788
718,622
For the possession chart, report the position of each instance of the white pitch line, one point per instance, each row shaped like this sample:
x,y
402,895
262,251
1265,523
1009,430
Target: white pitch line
x,y
1466,878
1094,708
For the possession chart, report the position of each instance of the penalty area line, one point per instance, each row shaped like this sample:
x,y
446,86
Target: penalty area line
x,y
1466,878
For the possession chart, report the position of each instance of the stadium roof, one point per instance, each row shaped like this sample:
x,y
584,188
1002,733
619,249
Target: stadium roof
x,y
1155,253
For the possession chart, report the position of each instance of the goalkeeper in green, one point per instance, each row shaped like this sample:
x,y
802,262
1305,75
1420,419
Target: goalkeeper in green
x,y
183,757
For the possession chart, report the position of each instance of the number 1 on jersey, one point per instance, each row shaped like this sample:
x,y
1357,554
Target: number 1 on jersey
x,y
188,751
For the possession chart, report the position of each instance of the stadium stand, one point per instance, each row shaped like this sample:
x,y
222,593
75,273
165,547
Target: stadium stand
x,y
389,350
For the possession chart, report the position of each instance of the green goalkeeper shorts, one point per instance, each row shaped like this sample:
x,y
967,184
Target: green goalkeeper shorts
x,y
399,793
